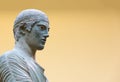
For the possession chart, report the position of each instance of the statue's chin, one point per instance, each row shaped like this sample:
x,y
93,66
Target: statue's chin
x,y
40,48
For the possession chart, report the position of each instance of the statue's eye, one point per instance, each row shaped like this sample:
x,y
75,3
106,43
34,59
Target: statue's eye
x,y
42,27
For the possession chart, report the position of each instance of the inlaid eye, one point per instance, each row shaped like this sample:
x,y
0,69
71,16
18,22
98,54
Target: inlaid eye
x,y
42,27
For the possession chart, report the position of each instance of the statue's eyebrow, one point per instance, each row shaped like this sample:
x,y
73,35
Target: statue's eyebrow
x,y
42,25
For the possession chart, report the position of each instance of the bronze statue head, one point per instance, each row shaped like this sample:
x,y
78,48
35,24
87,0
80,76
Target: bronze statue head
x,y
33,25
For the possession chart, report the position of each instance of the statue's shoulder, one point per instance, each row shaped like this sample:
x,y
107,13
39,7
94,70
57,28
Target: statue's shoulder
x,y
6,54
11,59
10,56
13,68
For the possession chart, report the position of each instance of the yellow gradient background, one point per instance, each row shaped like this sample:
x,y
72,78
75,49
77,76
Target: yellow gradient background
x,y
84,42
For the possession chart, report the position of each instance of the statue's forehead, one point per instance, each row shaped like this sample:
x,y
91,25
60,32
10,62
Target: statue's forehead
x,y
46,23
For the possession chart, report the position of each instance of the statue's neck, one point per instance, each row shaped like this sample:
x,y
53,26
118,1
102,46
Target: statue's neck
x,y
23,47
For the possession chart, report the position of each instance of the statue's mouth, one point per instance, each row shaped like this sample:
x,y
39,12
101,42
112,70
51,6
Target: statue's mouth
x,y
43,41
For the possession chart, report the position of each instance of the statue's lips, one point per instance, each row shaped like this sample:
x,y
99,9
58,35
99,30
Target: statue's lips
x,y
43,41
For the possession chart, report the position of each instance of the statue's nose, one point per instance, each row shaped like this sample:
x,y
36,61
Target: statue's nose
x,y
46,35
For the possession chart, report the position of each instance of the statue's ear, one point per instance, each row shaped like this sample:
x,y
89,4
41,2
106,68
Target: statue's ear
x,y
22,28
28,27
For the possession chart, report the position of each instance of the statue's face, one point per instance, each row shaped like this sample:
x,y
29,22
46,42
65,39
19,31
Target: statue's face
x,y
38,35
